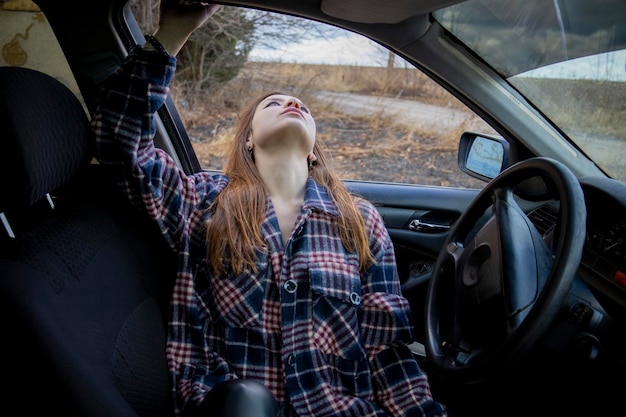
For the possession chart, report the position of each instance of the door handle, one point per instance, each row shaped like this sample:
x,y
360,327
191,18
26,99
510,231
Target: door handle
x,y
421,226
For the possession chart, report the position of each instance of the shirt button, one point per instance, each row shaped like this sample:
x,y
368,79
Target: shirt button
x,y
355,298
291,359
290,286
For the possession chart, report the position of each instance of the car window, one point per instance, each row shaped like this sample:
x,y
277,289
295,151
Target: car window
x,y
380,118
26,40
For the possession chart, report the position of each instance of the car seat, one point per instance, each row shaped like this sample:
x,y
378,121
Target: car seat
x,y
85,278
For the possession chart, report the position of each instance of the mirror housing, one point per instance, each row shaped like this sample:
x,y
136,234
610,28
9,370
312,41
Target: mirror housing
x,y
483,156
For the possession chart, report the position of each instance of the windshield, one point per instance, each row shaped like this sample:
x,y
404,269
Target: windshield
x,y
567,57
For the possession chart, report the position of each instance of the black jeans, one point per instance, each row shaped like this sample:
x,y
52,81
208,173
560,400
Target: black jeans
x,y
238,398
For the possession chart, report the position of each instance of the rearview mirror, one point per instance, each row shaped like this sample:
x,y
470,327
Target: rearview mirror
x,y
483,156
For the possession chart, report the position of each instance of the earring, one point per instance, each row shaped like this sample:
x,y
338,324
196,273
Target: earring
x,y
311,160
250,148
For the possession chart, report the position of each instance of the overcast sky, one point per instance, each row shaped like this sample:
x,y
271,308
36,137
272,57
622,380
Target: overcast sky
x,y
349,49
613,63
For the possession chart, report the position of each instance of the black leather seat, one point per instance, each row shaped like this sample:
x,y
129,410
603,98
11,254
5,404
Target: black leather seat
x,y
84,281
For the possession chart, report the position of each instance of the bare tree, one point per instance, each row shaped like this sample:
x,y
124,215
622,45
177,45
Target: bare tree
x,y
217,51
146,13
274,29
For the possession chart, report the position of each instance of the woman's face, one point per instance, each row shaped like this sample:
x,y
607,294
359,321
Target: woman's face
x,y
283,123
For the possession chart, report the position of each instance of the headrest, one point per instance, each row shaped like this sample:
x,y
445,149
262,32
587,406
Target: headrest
x,y
45,136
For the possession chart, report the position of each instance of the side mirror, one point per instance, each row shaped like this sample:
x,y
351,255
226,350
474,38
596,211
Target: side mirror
x,y
483,156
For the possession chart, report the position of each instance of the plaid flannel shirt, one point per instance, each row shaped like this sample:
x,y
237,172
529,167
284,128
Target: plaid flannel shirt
x,y
326,339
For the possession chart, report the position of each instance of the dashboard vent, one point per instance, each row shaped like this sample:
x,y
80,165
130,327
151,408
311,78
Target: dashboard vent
x,y
544,218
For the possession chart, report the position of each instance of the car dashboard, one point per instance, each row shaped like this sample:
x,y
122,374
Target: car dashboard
x,y
604,255
595,311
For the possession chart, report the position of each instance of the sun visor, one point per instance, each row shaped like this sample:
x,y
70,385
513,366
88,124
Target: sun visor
x,y
381,11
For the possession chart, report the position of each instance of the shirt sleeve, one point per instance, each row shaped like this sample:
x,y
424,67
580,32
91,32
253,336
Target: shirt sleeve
x,y
124,126
386,326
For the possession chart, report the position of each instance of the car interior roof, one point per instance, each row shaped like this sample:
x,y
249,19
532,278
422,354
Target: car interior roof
x,y
378,18
357,11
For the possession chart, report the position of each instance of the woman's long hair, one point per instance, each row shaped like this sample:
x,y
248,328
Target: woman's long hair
x,y
237,213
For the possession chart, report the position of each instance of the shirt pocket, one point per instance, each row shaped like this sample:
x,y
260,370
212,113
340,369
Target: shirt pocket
x,y
385,321
336,298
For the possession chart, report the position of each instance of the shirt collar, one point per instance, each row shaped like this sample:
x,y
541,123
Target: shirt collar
x,y
316,197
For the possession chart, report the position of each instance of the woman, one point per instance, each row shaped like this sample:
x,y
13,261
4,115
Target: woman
x,y
284,279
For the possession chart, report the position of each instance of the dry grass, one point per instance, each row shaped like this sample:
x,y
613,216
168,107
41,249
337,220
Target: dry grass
x,y
260,77
209,117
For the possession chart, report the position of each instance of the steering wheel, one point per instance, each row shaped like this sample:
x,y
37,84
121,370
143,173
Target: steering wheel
x,y
498,283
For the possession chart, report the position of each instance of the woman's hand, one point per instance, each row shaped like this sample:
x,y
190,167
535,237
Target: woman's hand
x,y
179,19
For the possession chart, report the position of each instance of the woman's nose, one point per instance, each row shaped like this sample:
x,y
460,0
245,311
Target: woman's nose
x,y
293,103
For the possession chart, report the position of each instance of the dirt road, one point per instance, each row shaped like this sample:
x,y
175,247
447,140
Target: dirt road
x,y
408,112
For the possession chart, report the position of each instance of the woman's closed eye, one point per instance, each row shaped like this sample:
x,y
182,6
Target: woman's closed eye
x,y
276,103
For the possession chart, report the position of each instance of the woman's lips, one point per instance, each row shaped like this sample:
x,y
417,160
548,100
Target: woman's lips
x,y
293,110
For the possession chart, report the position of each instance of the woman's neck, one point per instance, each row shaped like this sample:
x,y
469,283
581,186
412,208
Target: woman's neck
x,y
284,178
286,184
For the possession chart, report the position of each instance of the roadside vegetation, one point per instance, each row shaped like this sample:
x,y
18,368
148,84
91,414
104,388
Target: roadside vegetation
x,y
363,147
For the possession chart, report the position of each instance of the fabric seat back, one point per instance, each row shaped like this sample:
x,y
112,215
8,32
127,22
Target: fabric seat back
x,y
84,279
